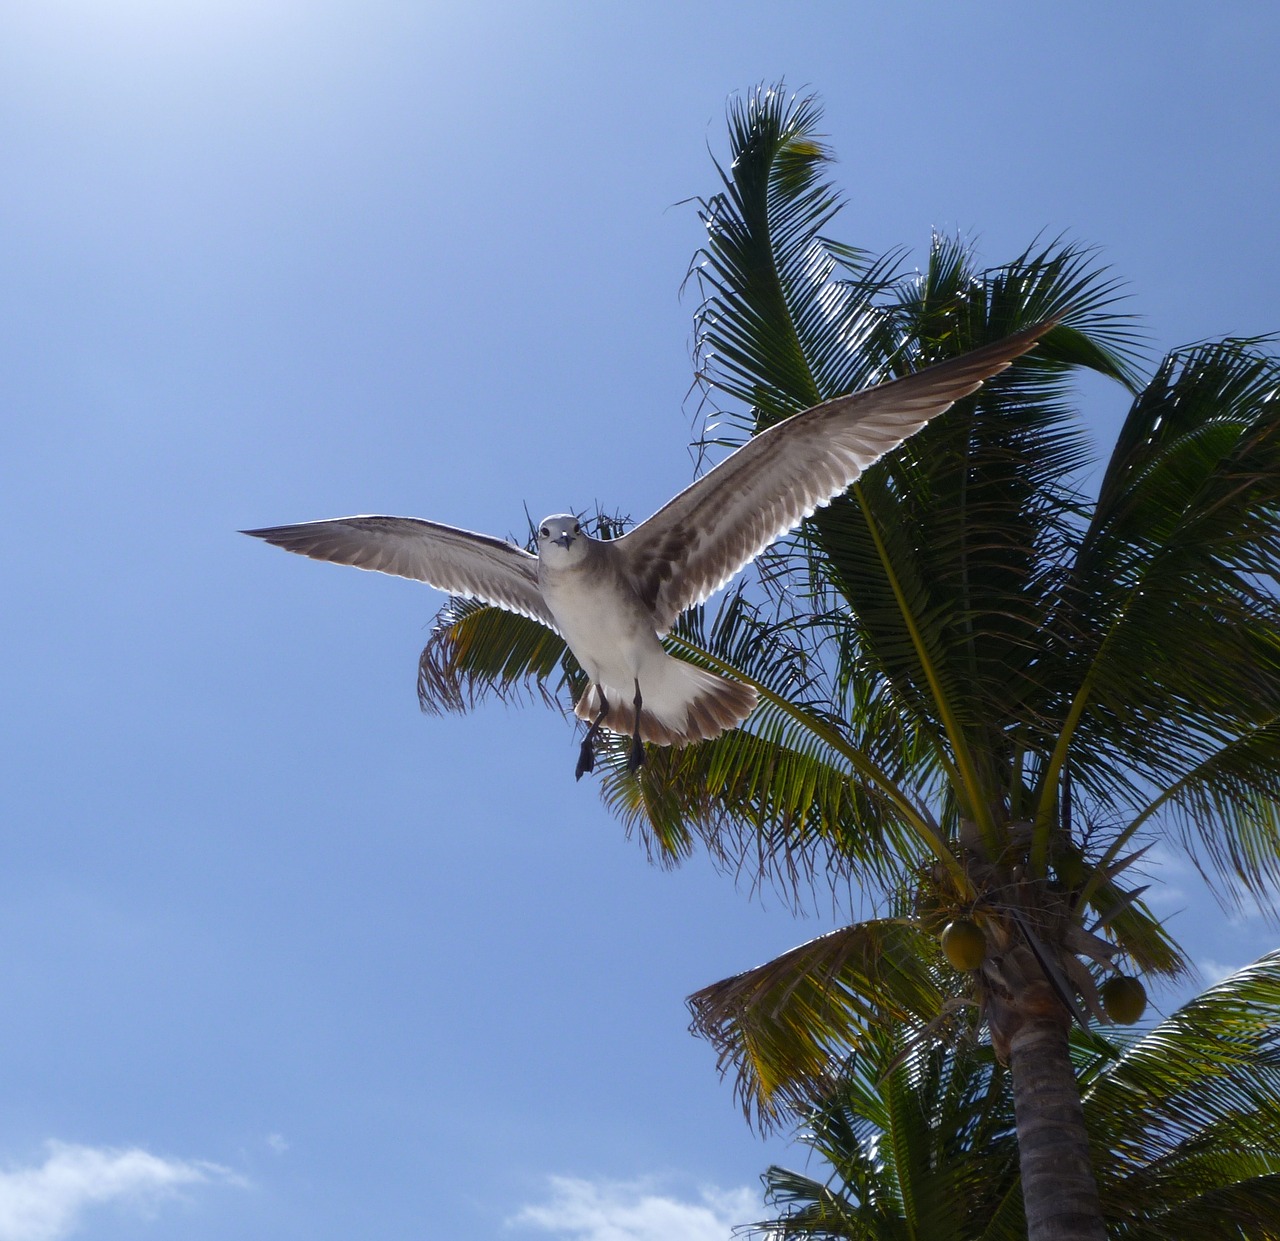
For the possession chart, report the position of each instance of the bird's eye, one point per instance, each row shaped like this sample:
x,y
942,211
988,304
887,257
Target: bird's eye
x,y
545,532
577,529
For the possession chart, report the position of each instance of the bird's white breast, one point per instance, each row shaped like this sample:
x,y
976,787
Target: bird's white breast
x,y
606,626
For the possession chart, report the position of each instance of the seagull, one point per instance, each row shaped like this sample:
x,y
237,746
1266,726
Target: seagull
x,y
612,600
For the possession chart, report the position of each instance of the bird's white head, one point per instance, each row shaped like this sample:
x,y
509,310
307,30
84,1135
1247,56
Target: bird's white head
x,y
562,542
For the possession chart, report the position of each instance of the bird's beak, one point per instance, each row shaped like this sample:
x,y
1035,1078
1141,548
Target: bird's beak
x,y
563,539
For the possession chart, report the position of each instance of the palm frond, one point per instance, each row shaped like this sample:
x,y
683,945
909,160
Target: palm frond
x,y
1171,613
918,1145
774,299
476,650
1184,1121
1188,1114
783,1027
946,553
1138,933
950,550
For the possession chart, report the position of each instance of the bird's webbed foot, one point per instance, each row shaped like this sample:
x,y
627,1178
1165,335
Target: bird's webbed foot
x,y
635,760
587,755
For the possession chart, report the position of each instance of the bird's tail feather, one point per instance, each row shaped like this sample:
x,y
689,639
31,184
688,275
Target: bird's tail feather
x,y
685,704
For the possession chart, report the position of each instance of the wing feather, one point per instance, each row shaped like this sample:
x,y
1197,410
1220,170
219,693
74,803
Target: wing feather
x,y
698,541
453,560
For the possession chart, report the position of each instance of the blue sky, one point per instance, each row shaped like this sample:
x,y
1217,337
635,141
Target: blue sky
x,y
284,958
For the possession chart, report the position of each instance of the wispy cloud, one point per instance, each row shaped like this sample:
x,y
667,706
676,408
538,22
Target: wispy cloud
x,y
581,1210
1168,872
1213,972
47,1201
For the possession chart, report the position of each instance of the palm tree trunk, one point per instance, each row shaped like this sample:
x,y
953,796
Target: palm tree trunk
x,y
1058,1188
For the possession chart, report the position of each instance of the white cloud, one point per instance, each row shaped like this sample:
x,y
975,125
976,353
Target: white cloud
x,y
581,1210
1213,972
46,1202
1165,870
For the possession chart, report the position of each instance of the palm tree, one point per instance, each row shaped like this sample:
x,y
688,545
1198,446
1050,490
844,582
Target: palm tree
x,y
978,689
920,1142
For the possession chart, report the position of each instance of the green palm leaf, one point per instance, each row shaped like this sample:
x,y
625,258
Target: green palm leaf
x,y
919,1145
933,561
782,1026
1184,1119
1172,617
476,650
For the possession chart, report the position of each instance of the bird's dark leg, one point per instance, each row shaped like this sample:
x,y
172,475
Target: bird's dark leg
x,y
636,761
587,755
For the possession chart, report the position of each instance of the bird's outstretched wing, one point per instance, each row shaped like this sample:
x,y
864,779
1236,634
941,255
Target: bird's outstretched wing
x,y
695,543
457,561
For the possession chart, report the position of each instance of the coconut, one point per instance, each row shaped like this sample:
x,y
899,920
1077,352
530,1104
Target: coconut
x,y
964,944
1124,998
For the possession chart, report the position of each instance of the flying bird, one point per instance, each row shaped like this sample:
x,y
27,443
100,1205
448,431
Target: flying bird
x,y
612,600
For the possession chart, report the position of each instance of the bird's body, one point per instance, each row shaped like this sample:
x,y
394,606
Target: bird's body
x,y
612,600
610,630
596,608
600,616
